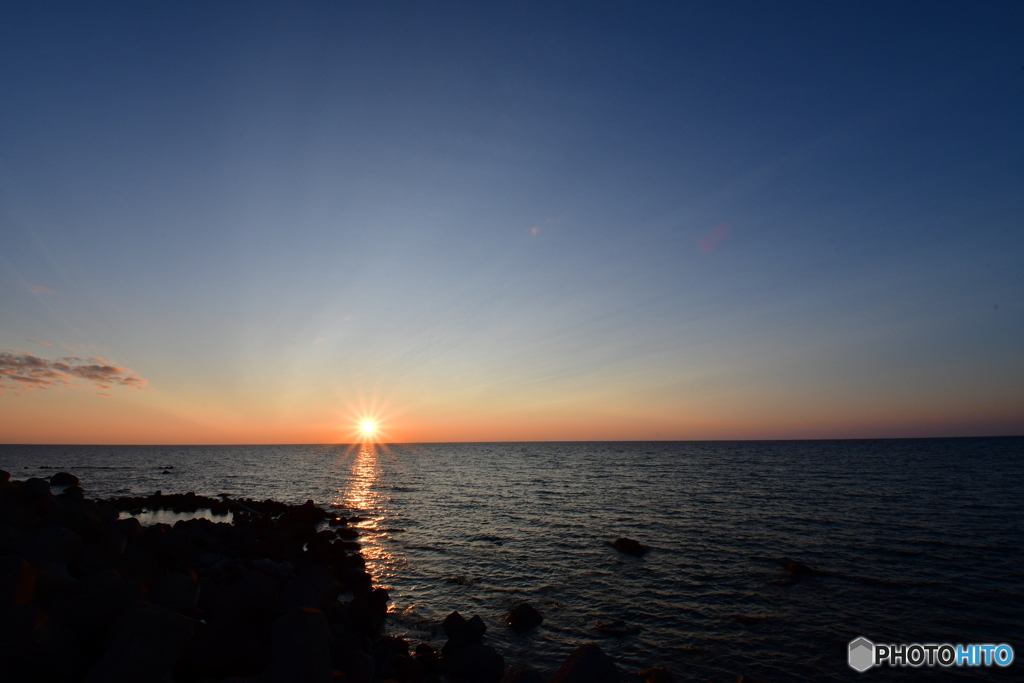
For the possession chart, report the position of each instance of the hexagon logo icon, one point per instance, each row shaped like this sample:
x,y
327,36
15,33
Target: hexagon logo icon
x,y
862,654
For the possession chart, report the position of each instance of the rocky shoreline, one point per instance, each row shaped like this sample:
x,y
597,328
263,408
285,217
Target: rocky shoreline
x,y
278,595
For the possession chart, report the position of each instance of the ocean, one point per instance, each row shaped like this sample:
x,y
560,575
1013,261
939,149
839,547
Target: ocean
x,y
915,541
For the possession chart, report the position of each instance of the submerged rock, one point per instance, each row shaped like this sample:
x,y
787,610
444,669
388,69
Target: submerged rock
x,y
798,568
630,546
587,664
656,675
523,676
524,616
617,628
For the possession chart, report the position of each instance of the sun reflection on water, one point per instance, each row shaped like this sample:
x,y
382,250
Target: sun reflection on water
x,y
363,496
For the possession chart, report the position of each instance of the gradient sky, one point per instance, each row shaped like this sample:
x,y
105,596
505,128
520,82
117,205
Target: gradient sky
x,y
254,223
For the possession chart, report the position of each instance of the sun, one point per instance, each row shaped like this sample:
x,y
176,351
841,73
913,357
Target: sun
x,y
368,428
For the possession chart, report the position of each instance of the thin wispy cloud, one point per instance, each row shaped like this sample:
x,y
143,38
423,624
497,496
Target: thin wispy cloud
x,y
26,371
718,234
39,289
41,343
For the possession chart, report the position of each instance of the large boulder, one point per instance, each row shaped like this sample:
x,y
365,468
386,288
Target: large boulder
x,y
523,676
17,581
35,488
63,479
52,548
315,587
587,664
226,648
143,646
524,616
656,675
302,649
461,632
176,592
253,595
476,663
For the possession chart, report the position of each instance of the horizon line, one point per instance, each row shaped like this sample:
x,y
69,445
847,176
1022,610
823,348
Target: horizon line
x,y
538,441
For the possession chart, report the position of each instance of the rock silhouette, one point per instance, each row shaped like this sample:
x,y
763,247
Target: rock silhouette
x,y
629,546
279,594
524,616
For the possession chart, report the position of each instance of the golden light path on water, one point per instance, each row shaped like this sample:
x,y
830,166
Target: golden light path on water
x,y
364,497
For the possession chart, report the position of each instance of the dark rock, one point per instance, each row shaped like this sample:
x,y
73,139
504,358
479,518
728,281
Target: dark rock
x,y
476,663
35,488
386,653
129,526
314,587
461,632
454,625
629,546
798,568
143,646
59,653
99,581
358,666
102,599
52,548
302,648
616,628
475,629
19,627
108,513
74,492
408,669
656,675
587,664
524,616
224,649
750,619
17,581
253,596
51,587
177,593
523,676
141,566
63,479
430,659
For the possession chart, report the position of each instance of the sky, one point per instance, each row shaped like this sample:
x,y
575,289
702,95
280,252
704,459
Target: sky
x,y
510,221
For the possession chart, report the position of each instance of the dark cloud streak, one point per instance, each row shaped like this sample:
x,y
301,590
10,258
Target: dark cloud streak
x,y
28,371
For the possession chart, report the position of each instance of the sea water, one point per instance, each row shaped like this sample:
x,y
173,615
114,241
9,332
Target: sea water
x,y
916,540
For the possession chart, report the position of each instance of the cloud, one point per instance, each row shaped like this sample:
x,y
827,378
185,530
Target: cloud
x,y
534,230
39,289
26,371
41,343
319,340
718,234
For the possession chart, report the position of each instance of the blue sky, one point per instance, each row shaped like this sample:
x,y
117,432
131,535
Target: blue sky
x,y
512,220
